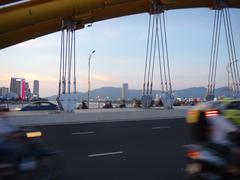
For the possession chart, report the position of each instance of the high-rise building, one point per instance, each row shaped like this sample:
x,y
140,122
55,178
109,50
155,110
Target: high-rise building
x,y
13,85
125,91
3,92
26,86
36,88
27,90
17,86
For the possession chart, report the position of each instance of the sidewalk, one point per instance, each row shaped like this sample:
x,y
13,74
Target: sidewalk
x,y
92,116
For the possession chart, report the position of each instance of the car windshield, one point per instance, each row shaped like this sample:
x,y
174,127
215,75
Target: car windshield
x,y
218,105
31,105
45,104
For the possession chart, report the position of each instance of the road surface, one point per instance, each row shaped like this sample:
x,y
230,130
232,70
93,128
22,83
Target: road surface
x,y
141,150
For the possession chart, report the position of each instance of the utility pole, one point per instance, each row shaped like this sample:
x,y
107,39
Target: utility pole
x,y
89,83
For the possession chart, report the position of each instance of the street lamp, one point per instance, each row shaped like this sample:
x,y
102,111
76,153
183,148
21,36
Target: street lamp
x,y
89,59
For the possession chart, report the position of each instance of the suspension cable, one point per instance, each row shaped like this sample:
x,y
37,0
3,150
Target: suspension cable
x,y
230,44
214,53
215,30
61,61
168,67
154,53
146,60
67,57
150,57
163,54
74,61
217,49
234,51
229,53
70,59
211,56
157,43
159,60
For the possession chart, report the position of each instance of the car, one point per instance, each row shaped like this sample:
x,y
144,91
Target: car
x,y
4,107
229,108
40,106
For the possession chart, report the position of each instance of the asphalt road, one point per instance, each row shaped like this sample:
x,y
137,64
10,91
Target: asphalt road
x,y
141,150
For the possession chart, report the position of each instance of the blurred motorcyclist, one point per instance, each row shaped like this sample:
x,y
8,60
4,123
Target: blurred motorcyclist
x,y
12,144
221,129
225,138
24,156
222,135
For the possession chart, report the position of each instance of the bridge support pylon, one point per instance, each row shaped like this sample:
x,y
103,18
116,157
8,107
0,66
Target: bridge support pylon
x,y
157,51
67,99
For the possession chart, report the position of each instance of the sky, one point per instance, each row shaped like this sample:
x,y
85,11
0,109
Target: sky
x,y
120,46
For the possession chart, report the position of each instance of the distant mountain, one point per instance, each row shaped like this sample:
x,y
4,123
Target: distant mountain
x,y
196,92
115,93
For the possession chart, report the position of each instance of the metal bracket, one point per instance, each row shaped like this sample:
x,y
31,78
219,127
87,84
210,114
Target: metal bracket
x,y
69,24
156,7
220,4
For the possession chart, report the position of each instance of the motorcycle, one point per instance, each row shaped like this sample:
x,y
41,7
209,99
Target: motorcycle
x,y
24,156
208,162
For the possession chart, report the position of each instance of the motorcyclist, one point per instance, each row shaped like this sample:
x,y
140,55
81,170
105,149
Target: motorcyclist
x,y
224,137
220,134
220,129
11,144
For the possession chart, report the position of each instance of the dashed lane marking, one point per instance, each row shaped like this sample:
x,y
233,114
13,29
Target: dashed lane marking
x,y
161,127
83,133
105,154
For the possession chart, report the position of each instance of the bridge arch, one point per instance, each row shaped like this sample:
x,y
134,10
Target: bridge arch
x,y
32,19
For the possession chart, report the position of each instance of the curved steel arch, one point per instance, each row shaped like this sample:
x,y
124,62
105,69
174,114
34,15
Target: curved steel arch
x,y
35,18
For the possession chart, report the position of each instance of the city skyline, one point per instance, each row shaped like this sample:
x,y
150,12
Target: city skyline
x,y
20,88
120,46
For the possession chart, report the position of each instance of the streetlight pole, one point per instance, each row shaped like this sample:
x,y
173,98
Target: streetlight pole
x,y
89,60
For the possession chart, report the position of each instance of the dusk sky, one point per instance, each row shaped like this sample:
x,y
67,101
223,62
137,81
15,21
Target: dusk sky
x,y
120,46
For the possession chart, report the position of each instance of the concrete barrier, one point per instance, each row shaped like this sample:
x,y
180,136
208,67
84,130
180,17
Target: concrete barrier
x,y
93,116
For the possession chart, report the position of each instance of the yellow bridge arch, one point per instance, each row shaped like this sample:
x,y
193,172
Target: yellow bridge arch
x,y
35,18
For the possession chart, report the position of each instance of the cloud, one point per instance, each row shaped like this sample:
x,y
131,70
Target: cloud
x,y
94,76
28,77
100,77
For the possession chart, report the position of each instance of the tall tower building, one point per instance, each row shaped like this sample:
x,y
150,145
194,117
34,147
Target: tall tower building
x,y
13,85
3,92
125,91
17,85
36,88
27,90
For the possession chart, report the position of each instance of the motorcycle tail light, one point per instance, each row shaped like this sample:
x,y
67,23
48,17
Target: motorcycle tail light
x,y
193,154
211,113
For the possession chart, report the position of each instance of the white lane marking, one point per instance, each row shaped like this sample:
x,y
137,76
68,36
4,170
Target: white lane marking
x,y
188,145
161,127
83,133
105,154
